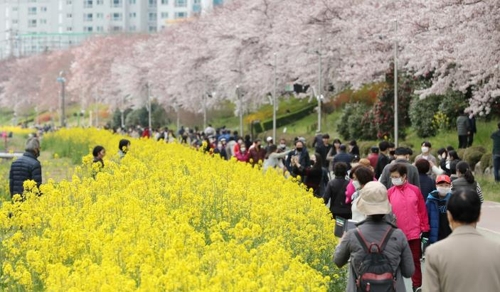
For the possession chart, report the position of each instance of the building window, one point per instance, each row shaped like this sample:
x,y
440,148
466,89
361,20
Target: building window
x,y
132,14
99,28
152,3
87,17
152,29
131,1
69,2
100,2
14,9
99,15
132,28
164,15
43,21
69,28
116,3
117,16
87,4
152,16
69,15
180,3
117,28
87,29
179,15
32,23
31,10
32,1
164,2
14,21
43,9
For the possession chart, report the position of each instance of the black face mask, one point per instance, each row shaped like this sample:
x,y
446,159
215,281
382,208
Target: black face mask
x,y
392,153
298,149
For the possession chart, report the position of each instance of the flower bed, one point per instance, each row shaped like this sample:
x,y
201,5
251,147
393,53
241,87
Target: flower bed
x,y
166,217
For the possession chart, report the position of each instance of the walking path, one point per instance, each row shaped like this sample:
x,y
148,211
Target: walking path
x,y
489,223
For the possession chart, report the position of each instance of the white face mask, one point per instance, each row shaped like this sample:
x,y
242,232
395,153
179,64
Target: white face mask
x,y
397,181
425,149
356,184
243,150
443,191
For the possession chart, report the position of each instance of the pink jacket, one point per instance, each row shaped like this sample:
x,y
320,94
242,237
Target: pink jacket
x,y
409,207
349,191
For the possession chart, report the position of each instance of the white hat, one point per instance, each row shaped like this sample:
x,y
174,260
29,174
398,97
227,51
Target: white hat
x,y
373,199
269,139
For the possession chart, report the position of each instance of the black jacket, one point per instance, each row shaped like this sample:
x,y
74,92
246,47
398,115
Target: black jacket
x,y
24,168
335,193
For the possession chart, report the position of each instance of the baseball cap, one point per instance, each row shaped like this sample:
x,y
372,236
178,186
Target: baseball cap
x,y
269,139
443,178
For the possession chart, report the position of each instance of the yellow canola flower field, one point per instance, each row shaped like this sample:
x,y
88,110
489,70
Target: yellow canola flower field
x,y
166,218
17,130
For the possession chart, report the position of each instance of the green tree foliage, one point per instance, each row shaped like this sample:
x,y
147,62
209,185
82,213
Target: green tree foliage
x,y
422,113
140,117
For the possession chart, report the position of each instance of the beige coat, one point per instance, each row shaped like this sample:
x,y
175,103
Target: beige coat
x,y
464,261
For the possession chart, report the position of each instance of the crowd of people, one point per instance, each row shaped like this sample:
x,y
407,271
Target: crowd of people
x,y
399,204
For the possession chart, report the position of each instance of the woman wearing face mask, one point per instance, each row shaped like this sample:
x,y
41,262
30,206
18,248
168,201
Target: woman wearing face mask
x,y
436,209
409,207
242,155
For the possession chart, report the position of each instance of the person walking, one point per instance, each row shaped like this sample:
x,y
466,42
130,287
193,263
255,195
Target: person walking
x,y
472,129
335,193
409,207
496,153
26,167
375,205
465,180
274,159
383,158
436,209
465,260
323,148
401,155
462,130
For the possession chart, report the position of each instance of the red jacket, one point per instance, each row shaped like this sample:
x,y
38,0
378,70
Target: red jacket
x,y
409,207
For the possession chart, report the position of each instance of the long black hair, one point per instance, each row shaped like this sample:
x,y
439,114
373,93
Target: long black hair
x,y
464,169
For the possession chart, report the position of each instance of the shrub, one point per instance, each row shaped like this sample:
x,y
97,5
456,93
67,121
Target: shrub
x,y
486,161
422,112
473,155
350,126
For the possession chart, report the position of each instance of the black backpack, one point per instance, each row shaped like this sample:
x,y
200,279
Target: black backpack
x,y
375,272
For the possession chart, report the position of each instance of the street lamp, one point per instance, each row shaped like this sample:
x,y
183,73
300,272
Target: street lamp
x,y
149,105
176,109
204,98
240,108
320,96
62,80
396,86
274,94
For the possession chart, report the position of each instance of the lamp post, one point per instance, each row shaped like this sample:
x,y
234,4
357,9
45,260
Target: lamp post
x,y
274,95
62,80
240,108
176,109
149,106
204,97
320,97
396,86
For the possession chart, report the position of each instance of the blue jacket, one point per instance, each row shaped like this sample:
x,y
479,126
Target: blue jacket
x,y
433,213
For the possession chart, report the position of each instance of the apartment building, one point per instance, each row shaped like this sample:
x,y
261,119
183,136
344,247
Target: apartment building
x,y
34,26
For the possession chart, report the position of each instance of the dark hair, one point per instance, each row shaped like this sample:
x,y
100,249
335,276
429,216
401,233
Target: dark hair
x,y
449,148
377,217
441,151
426,144
453,154
353,143
384,145
272,148
399,167
336,140
123,143
319,161
364,175
464,206
96,150
498,125
340,169
464,169
374,149
423,165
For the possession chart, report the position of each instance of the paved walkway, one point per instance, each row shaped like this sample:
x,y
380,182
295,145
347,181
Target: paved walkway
x,y
489,223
